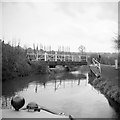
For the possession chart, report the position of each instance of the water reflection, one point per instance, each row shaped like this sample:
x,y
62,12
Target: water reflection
x,y
9,88
63,92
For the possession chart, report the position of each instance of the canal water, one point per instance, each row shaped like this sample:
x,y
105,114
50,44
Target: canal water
x,y
67,92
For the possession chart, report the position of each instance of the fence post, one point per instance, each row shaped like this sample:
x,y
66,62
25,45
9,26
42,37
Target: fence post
x,y
86,58
79,58
56,56
72,57
37,56
116,64
45,56
100,67
64,57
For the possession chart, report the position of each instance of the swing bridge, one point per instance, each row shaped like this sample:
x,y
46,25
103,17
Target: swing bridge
x,y
58,58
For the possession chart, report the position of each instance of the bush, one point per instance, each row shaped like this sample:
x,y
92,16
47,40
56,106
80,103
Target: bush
x,y
38,67
14,62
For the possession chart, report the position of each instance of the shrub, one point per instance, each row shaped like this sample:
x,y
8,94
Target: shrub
x,y
14,62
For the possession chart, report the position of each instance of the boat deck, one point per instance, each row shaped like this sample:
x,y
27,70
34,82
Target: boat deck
x,y
10,113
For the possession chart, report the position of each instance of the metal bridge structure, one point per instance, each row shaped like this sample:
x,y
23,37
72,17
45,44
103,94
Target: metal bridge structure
x,y
58,58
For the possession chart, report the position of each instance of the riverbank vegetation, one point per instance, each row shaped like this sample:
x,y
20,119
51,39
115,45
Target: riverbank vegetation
x,y
110,90
108,83
15,64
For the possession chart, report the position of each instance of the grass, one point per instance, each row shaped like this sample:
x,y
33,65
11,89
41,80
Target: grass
x,y
108,83
110,74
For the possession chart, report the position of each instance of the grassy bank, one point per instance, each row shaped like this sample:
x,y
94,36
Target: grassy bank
x,y
108,83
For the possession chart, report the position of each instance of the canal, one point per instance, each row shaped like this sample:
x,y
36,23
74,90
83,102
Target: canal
x,y
67,92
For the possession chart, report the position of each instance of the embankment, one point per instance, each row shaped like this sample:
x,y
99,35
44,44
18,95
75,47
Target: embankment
x,y
108,83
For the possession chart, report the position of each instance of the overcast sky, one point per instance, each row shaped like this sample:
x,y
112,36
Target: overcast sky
x,y
92,24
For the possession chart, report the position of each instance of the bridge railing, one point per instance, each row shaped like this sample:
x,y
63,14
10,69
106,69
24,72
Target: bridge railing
x,y
55,57
96,63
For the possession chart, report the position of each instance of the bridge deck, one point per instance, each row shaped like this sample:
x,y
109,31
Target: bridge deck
x,y
54,63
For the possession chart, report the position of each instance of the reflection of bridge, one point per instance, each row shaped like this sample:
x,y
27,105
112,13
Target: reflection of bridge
x,y
58,58
63,80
